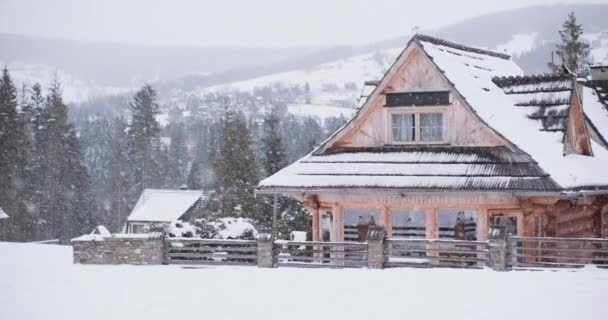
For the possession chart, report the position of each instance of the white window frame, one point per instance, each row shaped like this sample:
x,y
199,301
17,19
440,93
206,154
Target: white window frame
x,y
416,111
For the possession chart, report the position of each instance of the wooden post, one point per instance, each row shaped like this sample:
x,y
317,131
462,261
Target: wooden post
x,y
432,224
385,220
432,232
482,224
274,216
315,224
338,213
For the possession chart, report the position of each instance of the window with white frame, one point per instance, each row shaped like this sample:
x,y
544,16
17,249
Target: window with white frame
x,y
420,127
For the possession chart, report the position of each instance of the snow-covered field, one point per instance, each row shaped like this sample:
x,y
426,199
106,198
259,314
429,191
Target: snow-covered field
x,y
40,282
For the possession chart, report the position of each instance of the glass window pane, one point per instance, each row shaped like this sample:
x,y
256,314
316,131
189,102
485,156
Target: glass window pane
x,y
356,222
458,224
403,128
431,126
409,224
397,134
396,120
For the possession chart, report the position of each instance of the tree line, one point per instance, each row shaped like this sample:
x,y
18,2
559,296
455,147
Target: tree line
x,y
65,171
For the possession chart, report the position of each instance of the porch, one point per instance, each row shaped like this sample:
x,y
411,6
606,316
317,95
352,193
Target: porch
x,y
447,217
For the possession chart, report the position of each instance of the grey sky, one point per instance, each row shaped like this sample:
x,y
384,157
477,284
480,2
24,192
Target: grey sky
x,y
252,23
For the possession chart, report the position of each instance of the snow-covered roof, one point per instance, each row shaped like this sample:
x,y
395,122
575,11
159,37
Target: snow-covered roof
x,y
3,214
595,101
472,74
160,205
470,168
530,115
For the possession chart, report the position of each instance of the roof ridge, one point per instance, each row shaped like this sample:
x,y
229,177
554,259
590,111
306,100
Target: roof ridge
x,y
442,42
171,190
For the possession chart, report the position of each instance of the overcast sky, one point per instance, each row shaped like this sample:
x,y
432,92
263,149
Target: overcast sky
x,y
247,23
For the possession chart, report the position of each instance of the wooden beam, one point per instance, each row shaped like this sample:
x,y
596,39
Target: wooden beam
x,y
482,224
316,230
432,223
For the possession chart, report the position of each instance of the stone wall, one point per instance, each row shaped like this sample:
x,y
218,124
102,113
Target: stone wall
x,y
119,249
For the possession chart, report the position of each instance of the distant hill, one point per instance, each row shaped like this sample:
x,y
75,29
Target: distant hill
x,y
94,69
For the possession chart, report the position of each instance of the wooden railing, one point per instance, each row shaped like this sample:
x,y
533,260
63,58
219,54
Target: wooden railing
x,y
321,254
547,252
426,253
210,251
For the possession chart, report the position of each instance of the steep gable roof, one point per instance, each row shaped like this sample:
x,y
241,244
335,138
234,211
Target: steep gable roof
x,y
506,108
473,74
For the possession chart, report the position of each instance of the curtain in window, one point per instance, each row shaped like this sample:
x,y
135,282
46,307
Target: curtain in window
x,y
431,127
403,127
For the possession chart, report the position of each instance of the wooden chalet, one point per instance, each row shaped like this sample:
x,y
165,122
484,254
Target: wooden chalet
x,y
453,139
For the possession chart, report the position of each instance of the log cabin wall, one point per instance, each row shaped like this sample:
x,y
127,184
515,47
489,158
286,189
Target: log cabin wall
x,y
537,216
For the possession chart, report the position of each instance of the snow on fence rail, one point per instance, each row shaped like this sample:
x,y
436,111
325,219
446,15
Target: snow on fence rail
x,y
321,254
210,251
526,252
436,253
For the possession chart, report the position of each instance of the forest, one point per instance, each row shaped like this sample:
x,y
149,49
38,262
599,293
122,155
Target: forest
x,y
68,168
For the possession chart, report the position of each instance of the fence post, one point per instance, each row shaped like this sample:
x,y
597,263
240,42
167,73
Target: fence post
x,y
375,247
265,251
498,248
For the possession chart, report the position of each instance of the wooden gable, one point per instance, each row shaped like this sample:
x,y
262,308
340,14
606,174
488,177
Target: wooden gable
x,y
413,72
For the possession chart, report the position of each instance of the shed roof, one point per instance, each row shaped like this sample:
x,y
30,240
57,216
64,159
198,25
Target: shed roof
x,y
161,205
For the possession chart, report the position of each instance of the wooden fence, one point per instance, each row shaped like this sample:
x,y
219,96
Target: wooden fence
x,y
527,252
210,251
424,253
321,254
517,252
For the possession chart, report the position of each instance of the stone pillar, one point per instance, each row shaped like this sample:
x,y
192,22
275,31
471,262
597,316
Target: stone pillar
x,y
498,248
375,247
265,251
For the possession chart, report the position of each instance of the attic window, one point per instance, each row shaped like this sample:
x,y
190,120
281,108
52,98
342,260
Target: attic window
x,y
417,127
420,98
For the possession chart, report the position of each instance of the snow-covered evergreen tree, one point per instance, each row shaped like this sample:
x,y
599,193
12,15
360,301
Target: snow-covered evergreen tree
x,y
273,150
143,142
572,51
13,154
236,168
178,157
118,183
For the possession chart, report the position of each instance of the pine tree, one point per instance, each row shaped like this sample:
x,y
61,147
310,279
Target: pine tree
x,y
178,156
143,142
274,154
118,183
236,168
572,52
96,135
12,155
201,175
65,205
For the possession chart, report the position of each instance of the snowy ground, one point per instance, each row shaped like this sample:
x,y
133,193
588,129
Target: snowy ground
x,y
40,282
